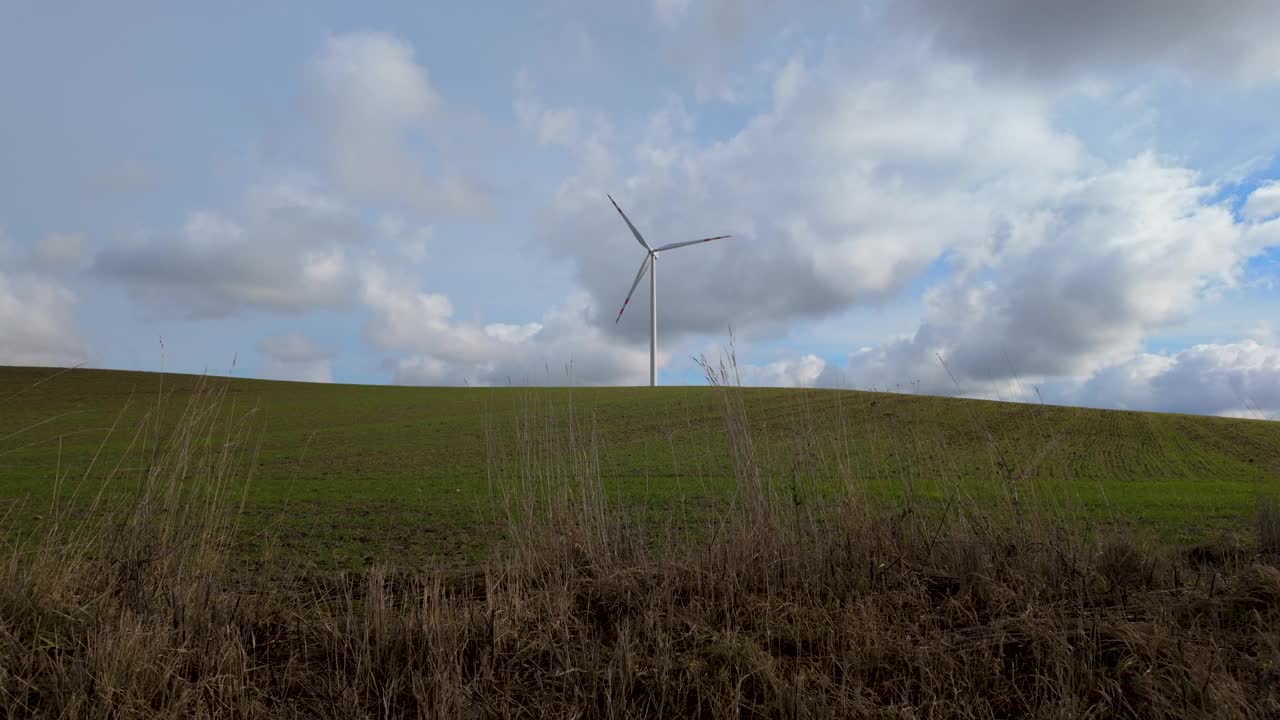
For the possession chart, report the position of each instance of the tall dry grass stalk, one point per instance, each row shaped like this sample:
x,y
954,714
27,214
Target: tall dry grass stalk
x,y
752,488
808,600
544,478
1267,522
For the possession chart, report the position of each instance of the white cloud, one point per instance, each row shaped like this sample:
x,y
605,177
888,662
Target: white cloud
x,y
294,357
407,240
402,317
292,251
1240,379
799,372
512,334
549,125
1264,201
788,83
1236,379
38,322
427,370
379,108
561,349
584,134
1109,260
721,46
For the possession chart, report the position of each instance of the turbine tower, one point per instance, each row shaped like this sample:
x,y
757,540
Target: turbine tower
x,y
650,264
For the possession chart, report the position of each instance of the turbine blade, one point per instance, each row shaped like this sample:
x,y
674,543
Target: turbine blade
x,y
639,276
690,242
634,231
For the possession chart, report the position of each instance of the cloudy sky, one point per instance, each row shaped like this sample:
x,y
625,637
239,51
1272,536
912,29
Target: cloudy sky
x,y
1075,201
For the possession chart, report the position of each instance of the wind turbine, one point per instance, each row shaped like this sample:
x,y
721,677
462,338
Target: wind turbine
x,y
650,264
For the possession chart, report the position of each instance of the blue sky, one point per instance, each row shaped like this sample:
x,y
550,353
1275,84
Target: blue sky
x,y
1077,197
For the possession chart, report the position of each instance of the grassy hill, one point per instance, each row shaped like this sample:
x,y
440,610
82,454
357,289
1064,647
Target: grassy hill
x,y
177,542
348,473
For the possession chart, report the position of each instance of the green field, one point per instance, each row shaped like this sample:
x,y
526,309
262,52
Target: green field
x,y
346,474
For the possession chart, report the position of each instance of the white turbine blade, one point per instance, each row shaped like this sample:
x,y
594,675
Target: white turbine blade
x,y
639,276
691,242
634,231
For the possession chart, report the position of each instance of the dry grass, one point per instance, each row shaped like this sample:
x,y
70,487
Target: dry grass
x,y
1268,523
794,604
